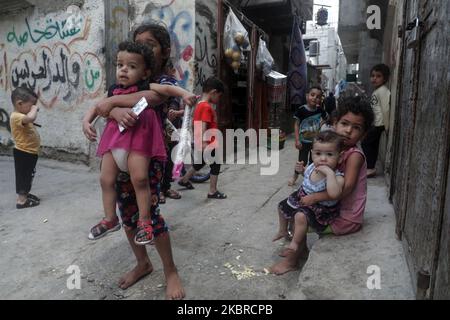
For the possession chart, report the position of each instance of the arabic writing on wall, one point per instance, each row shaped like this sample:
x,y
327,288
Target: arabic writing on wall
x,y
59,29
58,74
205,45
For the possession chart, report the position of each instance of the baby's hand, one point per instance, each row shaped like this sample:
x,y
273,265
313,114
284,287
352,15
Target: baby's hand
x,y
89,131
325,170
308,200
298,145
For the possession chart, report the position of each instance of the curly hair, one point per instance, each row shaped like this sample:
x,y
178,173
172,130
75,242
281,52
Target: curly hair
x,y
358,105
143,50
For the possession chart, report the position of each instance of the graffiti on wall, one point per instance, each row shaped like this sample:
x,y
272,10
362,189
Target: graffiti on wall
x,y
181,28
205,45
59,30
5,128
58,74
40,55
3,70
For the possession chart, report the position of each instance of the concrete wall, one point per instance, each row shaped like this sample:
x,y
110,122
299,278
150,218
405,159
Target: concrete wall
x,y
206,55
179,17
63,63
67,66
330,49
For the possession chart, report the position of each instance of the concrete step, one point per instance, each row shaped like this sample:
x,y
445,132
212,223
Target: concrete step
x,y
346,267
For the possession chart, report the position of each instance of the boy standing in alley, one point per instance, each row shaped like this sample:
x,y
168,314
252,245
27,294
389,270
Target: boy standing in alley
x,y
380,101
205,118
307,125
27,144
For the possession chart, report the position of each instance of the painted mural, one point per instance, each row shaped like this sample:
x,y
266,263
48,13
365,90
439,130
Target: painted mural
x,y
59,55
42,55
205,42
179,18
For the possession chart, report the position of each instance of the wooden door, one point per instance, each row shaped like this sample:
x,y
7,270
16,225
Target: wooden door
x,y
424,144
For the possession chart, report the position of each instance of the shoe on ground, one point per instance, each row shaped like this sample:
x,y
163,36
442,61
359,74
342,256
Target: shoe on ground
x,y
29,203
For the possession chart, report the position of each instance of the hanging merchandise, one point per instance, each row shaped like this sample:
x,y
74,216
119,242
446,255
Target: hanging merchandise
x,y
235,40
264,60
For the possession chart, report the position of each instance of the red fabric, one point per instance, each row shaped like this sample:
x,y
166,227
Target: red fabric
x,y
129,90
205,113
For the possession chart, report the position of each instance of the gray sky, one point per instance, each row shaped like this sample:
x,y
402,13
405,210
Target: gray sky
x,y
333,12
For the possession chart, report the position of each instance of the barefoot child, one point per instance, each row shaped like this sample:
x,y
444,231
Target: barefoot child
x,y
354,118
321,175
140,144
157,37
307,125
27,144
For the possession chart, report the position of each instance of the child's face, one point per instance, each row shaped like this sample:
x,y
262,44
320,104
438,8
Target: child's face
x,y
130,69
215,96
351,127
24,106
314,98
325,154
377,79
148,39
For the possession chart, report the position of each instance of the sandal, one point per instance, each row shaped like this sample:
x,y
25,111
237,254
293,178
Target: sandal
x,y
217,195
172,194
144,234
33,197
103,228
162,198
28,204
187,185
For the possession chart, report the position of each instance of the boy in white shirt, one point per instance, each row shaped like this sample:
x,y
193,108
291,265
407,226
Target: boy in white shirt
x,y
380,101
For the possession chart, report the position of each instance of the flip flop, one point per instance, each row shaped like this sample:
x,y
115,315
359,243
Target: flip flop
x,y
28,204
33,197
217,195
187,185
162,198
172,194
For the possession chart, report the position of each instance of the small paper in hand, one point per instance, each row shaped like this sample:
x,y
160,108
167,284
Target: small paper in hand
x,y
137,109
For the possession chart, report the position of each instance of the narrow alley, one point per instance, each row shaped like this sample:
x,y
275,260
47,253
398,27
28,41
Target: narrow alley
x,y
220,247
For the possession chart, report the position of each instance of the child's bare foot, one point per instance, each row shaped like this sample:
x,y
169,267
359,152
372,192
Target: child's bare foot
x,y
284,266
174,290
280,235
133,276
286,251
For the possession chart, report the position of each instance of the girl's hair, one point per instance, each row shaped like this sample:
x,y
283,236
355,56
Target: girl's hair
x,y
160,33
358,105
330,137
143,50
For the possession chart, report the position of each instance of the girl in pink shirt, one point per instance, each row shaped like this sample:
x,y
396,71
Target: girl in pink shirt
x,y
354,118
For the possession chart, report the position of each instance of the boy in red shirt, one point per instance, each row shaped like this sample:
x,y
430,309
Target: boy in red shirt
x,y
204,113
